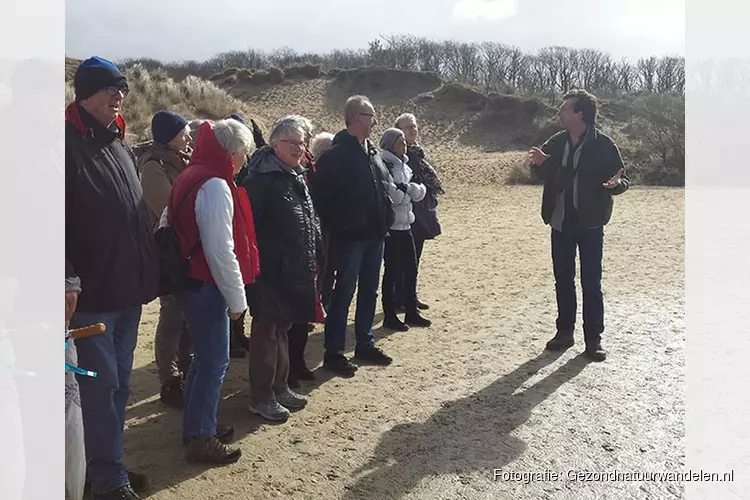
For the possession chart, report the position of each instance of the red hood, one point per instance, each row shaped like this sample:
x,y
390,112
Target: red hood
x,y
208,151
73,115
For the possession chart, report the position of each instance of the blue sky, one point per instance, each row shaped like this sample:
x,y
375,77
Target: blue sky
x,y
188,29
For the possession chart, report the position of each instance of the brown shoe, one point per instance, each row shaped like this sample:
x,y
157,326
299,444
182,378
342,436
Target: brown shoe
x,y
211,451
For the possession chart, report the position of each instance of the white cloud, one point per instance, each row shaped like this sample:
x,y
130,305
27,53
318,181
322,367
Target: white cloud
x,y
488,10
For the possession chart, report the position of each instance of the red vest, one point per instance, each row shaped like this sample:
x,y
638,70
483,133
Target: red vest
x,y
209,160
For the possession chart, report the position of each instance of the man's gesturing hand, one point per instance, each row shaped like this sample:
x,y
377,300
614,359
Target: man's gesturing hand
x,y
538,156
614,181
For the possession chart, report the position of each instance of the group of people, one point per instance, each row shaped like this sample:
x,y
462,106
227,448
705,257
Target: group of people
x,y
284,229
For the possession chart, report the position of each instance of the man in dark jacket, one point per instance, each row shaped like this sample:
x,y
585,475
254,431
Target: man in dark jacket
x,y
286,291
582,169
349,189
109,245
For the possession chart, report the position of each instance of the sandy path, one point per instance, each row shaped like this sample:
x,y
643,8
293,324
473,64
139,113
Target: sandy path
x,y
475,392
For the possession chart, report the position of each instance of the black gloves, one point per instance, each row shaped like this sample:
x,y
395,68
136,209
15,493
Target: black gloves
x,y
257,135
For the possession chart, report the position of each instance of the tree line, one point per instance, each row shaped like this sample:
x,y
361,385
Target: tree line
x,y
492,66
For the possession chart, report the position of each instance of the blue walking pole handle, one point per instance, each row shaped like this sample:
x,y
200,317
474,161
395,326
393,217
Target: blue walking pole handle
x,y
78,369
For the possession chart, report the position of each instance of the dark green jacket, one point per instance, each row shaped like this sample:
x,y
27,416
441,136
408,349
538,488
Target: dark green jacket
x,y
599,160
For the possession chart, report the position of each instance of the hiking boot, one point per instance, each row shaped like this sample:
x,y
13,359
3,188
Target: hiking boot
x,y
393,323
291,400
211,451
595,352
560,342
373,355
270,410
415,319
338,364
173,393
122,493
224,434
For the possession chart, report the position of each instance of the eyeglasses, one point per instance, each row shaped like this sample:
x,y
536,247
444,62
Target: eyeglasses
x,y
117,90
298,144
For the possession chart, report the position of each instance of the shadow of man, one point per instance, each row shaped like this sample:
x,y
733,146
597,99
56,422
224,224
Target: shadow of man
x,y
467,435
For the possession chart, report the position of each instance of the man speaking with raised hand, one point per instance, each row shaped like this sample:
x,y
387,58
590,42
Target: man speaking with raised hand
x,y
582,169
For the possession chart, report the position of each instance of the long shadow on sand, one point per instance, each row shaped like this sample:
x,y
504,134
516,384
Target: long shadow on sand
x,y
468,435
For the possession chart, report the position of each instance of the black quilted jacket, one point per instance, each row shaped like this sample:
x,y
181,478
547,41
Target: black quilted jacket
x,y
289,241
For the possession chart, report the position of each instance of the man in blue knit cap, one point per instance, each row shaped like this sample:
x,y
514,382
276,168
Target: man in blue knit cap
x,y
109,246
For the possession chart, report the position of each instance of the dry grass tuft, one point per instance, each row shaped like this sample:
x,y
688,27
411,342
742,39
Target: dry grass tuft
x,y
152,90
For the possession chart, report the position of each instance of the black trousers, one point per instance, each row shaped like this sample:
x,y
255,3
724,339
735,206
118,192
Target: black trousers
x,y
400,264
589,243
297,336
420,236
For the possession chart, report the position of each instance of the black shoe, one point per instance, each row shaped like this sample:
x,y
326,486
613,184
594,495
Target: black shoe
x,y
121,493
304,373
224,434
595,353
173,393
560,342
414,319
393,323
139,482
373,355
421,305
339,365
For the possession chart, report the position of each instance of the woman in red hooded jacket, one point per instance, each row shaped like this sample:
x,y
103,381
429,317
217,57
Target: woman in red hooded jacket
x,y
214,225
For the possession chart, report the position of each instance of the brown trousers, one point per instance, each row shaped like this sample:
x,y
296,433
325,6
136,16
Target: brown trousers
x,y
269,359
172,345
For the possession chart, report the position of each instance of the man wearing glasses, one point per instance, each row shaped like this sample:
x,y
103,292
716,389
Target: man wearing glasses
x,y
108,245
349,189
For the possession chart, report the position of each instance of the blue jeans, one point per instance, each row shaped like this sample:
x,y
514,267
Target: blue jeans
x,y
589,243
104,398
357,266
205,311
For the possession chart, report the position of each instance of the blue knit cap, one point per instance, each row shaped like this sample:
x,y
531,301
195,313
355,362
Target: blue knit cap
x,y
235,116
94,74
165,125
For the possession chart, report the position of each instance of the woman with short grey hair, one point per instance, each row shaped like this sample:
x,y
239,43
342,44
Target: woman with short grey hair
x,y
214,226
288,240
